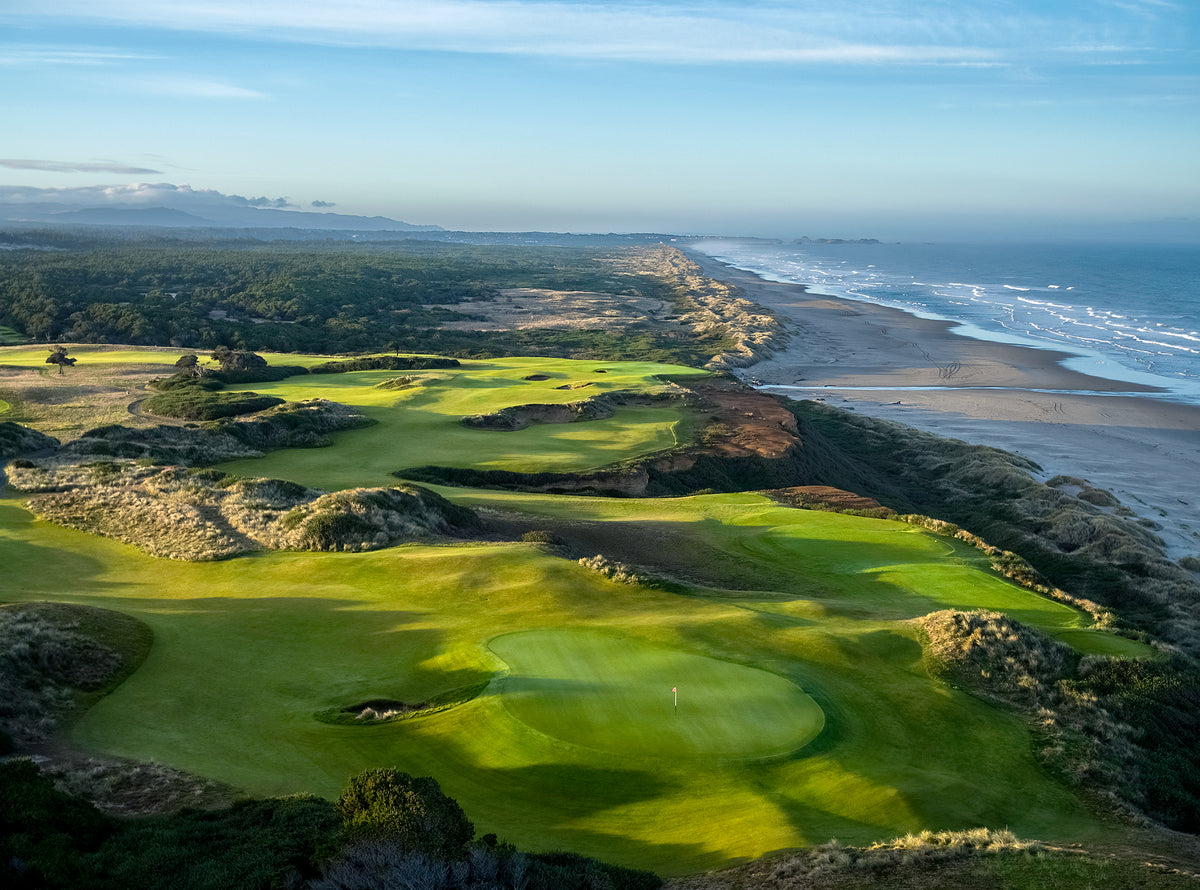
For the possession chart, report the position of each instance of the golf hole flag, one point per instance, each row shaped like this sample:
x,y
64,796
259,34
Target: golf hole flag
x,y
675,692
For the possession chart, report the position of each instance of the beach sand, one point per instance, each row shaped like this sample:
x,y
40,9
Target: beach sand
x,y
1115,435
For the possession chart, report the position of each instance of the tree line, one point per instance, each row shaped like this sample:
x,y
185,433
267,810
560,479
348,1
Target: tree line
x,y
306,297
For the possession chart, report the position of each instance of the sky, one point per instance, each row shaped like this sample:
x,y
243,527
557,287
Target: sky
x,y
778,118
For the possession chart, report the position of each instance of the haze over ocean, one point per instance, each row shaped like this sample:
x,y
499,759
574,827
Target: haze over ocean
x,y
1128,311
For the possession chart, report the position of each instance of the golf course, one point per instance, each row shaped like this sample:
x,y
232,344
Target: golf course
x,y
757,682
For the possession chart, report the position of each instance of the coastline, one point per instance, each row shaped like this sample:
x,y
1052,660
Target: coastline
x,y
894,365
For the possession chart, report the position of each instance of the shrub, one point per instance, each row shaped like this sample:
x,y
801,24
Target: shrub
x,y
384,363
616,571
571,871
254,844
192,403
44,834
542,536
413,813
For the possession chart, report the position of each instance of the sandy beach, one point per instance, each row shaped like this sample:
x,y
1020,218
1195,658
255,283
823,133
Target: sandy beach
x,y
891,364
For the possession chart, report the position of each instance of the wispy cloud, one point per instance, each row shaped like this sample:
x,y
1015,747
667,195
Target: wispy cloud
x,y
681,32
76,166
187,87
28,55
699,33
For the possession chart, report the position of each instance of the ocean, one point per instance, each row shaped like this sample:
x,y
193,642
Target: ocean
x,y
1126,312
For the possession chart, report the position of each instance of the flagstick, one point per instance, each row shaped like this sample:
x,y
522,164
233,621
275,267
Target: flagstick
x,y
675,691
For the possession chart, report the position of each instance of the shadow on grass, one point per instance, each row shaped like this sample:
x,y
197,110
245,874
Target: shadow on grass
x,y
575,790
34,570
318,645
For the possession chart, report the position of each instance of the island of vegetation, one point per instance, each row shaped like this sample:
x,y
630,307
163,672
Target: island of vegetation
x,y
439,566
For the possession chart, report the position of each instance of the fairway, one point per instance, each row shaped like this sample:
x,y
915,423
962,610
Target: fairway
x,y
419,424
616,694
805,709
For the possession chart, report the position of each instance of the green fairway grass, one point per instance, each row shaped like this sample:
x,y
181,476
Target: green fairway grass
x,y
1091,641
805,708
247,651
35,356
617,694
420,426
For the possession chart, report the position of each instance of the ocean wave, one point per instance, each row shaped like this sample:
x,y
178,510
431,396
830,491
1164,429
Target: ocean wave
x,y
1033,302
1134,307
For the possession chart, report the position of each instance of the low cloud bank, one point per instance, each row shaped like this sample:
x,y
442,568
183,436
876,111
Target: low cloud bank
x,y
167,204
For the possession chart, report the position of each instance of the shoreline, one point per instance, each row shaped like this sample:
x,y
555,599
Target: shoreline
x,y
894,365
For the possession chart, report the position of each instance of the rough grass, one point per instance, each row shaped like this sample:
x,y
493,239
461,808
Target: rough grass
x,y
306,424
972,859
203,515
194,403
51,653
121,787
1096,716
96,391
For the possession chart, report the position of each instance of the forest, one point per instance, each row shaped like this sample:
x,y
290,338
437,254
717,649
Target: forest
x,y
326,296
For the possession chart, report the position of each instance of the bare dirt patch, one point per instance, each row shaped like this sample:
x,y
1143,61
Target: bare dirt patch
x,y
521,308
824,496
746,422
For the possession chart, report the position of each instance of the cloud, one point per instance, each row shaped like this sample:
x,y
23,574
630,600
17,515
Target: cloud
x,y
76,166
27,55
277,203
143,203
187,87
680,32
322,204
722,31
137,194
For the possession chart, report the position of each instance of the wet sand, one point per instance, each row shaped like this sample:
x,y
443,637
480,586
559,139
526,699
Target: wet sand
x,y
1114,434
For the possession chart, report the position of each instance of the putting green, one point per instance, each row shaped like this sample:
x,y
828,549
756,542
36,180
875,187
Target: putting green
x,y
615,694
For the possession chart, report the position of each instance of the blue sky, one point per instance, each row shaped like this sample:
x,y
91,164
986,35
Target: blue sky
x,y
852,119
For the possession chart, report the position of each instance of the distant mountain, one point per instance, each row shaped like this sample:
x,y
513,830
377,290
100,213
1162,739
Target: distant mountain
x,y
196,214
121,216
